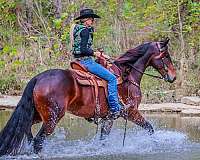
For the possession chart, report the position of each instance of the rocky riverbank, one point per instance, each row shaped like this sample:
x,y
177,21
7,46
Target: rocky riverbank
x,y
8,102
189,106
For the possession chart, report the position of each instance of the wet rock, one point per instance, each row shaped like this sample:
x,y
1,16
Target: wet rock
x,y
191,101
167,107
190,112
198,93
9,101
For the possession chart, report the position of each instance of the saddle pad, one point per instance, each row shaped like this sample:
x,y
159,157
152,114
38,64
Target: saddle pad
x,y
85,78
90,83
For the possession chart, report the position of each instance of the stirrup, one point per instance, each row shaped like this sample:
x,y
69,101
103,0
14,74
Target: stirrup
x,y
113,115
124,113
124,109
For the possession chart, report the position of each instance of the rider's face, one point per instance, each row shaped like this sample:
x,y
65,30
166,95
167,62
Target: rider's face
x,y
89,21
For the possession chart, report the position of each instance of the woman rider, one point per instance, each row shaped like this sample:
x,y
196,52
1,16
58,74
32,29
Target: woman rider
x,y
82,34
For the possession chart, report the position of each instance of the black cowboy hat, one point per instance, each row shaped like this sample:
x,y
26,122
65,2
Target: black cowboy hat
x,y
87,13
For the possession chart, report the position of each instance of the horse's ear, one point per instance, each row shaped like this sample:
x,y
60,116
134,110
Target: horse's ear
x,y
167,40
164,42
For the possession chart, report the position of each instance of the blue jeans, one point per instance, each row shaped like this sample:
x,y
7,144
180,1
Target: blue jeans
x,y
103,73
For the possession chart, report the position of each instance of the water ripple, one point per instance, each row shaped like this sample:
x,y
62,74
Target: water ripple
x,y
137,142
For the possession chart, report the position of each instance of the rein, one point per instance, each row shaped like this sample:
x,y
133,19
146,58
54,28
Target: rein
x,y
141,72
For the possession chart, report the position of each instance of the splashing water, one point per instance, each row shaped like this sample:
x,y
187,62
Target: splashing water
x,y
137,143
79,142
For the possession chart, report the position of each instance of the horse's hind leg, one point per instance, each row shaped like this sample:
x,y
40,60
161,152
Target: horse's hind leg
x,y
46,129
50,118
29,136
36,119
39,139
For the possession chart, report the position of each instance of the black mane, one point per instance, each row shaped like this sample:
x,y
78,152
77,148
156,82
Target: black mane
x,y
132,55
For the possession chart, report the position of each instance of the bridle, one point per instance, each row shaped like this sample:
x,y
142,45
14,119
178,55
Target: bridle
x,y
161,50
148,74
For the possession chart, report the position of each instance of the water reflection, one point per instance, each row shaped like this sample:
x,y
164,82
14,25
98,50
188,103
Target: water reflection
x,y
78,128
187,125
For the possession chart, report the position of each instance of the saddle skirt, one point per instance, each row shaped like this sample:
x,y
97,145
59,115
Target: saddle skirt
x,y
84,77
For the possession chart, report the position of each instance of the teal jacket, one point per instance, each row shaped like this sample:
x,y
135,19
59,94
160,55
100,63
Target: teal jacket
x,y
83,41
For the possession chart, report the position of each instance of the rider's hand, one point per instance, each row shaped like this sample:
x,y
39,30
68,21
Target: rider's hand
x,y
101,54
97,54
106,56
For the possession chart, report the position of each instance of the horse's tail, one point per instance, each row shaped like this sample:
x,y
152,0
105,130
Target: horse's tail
x,y
20,122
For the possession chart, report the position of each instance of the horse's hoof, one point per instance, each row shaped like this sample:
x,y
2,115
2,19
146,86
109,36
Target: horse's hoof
x,y
103,137
30,141
151,131
37,149
37,146
148,127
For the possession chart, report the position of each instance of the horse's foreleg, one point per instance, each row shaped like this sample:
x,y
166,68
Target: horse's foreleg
x,y
106,127
135,116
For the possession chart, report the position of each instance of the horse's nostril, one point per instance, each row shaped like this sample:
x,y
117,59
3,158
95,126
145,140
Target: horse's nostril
x,y
171,79
174,78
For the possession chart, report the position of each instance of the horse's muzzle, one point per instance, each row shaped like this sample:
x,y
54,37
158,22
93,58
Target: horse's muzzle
x,y
169,78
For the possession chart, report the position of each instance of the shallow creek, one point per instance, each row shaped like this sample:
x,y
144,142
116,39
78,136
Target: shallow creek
x,y
175,137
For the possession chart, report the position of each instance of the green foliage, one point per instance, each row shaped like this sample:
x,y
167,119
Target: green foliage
x,y
2,64
8,83
124,24
57,23
7,11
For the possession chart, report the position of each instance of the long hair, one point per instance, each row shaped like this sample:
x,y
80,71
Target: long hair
x,y
72,35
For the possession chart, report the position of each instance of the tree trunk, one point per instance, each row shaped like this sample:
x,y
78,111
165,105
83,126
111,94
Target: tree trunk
x,y
58,8
183,63
29,14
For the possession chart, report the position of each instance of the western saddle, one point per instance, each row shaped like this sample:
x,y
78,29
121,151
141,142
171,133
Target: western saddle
x,y
84,77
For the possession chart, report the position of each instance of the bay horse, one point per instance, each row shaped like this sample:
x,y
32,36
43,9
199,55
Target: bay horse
x,y
50,94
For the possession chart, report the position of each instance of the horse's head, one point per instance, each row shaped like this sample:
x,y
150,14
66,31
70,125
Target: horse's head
x,y
162,62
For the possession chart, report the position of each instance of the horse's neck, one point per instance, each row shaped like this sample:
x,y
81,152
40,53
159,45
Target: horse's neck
x,y
140,65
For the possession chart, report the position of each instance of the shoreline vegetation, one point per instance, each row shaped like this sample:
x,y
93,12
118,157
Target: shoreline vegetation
x,y
34,37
